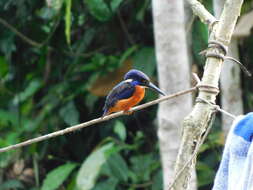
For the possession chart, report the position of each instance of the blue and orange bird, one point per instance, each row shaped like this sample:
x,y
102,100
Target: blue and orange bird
x,y
128,93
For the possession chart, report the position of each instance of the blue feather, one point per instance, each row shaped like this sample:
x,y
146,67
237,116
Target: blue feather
x,y
136,75
123,90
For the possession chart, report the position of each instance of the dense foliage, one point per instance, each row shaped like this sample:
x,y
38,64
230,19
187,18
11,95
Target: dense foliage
x,y
58,59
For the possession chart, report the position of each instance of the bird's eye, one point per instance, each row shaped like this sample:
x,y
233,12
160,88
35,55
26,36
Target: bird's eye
x,y
144,81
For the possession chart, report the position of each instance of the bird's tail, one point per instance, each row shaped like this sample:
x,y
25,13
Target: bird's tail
x,y
105,112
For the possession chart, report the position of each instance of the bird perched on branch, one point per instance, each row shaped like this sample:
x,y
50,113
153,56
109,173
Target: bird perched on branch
x,y
128,93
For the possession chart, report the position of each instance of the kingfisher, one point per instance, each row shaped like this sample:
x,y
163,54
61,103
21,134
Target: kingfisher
x,y
128,93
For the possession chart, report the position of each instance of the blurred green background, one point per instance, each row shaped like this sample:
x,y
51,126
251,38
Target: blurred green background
x,y
58,59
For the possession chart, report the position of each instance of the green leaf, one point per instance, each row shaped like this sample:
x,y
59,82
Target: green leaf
x,y
142,166
90,101
4,67
7,42
72,183
68,21
120,130
157,180
144,60
118,167
109,184
99,9
7,117
143,9
69,114
31,89
115,4
199,40
206,174
57,176
127,53
83,43
91,167
55,4
87,67
11,184
46,13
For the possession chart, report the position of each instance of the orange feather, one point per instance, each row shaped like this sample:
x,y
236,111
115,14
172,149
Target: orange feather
x,y
126,104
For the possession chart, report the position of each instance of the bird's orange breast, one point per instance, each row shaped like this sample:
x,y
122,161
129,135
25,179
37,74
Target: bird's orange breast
x,y
126,104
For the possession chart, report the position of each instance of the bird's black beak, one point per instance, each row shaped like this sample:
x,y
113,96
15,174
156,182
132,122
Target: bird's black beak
x,y
153,87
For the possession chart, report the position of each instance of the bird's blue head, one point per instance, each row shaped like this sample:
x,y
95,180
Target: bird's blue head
x,y
140,78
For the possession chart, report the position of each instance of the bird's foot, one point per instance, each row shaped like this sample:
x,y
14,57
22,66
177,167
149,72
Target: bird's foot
x,y
127,112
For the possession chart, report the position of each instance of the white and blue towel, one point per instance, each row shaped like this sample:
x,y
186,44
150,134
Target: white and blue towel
x,y
236,168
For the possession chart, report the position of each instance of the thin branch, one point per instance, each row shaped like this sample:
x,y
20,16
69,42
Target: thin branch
x,y
39,45
22,36
94,121
124,28
218,108
201,12
84,55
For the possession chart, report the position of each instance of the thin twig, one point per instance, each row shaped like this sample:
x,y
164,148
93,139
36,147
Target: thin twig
x,y
124,28
94,121
22,36
218,108
39,45
244,69
225,112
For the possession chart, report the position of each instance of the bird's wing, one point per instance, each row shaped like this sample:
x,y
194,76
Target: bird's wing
x,y
121,91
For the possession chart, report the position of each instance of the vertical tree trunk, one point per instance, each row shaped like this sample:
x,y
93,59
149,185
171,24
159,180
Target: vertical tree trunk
x,y
230,83
174,75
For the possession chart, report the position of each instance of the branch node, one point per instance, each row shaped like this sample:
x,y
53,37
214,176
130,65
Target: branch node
x,y
211,25
215,44
208,88
203,87
223,48
196,78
